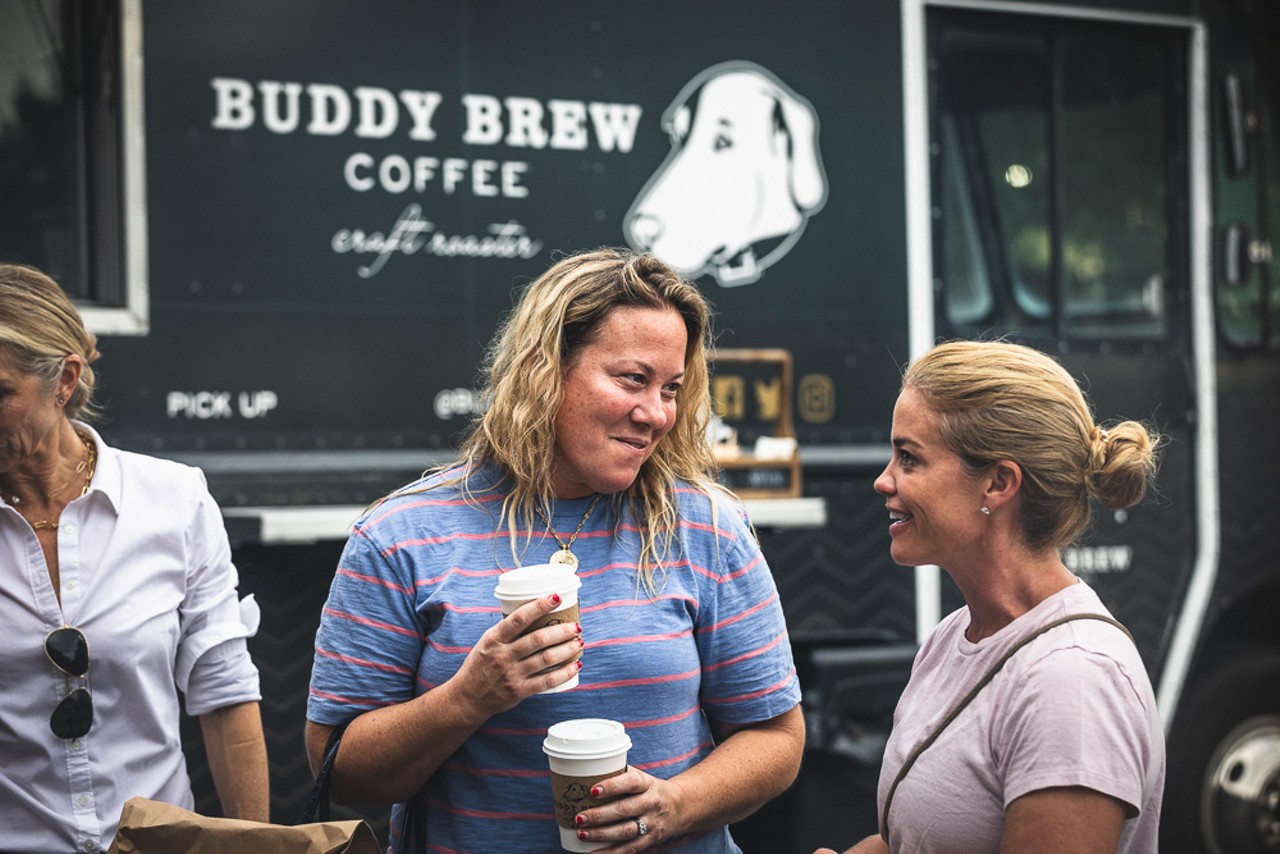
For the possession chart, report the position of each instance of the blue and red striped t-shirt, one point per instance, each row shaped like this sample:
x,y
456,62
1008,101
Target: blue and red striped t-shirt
x,y
414,592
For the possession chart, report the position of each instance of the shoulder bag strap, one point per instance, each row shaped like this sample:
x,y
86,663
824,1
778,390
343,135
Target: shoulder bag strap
x,y
317,807
968,698
413,830
413,827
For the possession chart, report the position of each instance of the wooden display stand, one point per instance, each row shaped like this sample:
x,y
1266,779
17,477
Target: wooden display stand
x,y
751,391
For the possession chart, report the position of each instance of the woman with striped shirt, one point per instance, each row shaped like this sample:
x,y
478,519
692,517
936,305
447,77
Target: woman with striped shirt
x,y
593,443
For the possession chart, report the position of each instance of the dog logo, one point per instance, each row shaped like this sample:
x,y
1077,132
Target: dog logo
x,y
742,179
577,793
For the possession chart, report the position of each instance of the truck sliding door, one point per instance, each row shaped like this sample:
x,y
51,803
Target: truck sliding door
x,y
1063,166
1070,209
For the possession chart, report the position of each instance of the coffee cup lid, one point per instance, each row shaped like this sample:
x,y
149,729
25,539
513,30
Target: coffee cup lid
x,y
536,580
586,738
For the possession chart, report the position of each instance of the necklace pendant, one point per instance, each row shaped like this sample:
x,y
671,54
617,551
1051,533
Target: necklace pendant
x,y
564,557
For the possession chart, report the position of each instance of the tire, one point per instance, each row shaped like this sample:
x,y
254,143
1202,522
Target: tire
x,y
1223,790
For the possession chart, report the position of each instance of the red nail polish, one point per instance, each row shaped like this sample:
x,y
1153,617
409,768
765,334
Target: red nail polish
x,y
579,625
579,820
579,663
555,598
582,834
596,791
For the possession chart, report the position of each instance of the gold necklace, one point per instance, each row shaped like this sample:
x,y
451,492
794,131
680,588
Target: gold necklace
x,y
565,557
88,464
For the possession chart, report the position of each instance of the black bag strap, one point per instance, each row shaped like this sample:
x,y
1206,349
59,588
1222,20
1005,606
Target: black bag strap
x,y
317,807
968,698
413,828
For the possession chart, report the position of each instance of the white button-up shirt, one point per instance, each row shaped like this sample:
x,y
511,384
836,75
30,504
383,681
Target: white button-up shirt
x,y
146,575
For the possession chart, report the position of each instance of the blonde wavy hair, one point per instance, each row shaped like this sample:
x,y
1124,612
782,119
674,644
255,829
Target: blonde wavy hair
x,y
555,317
1002,401
39,328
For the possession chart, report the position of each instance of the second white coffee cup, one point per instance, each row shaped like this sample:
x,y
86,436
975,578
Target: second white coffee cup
x,y
581,753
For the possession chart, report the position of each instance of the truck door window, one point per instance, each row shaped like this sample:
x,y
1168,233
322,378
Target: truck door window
x,y
1115,224
59,150
1059,173
995,179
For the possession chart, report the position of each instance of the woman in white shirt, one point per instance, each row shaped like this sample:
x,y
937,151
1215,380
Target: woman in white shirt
x,y
117,592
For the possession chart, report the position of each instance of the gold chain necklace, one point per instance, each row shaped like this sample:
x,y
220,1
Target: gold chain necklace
x,y
565,557
86,467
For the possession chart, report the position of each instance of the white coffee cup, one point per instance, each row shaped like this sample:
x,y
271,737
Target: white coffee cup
x,y
526,583
581,753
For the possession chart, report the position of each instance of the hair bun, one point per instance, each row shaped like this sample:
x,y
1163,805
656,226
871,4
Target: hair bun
x,y
1122,463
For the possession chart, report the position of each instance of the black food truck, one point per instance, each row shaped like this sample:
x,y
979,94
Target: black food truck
x,y
294,226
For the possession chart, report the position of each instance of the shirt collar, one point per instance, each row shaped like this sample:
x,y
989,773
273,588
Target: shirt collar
x,y
106,476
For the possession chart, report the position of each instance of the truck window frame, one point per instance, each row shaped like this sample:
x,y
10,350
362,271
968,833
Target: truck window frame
x,y
102,258
982,287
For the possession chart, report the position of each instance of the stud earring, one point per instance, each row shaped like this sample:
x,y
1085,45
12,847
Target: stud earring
x,y
986,511
62,401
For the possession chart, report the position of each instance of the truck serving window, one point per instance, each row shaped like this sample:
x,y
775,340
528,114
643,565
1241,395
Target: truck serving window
x,y
61,153
1059,174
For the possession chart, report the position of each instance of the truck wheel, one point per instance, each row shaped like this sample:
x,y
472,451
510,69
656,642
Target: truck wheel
x,y
1223,792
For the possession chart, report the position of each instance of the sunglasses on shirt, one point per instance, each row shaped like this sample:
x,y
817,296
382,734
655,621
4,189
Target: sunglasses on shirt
x,y
68,649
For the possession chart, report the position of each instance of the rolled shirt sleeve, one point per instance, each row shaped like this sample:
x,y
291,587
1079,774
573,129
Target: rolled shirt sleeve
x,y
212,667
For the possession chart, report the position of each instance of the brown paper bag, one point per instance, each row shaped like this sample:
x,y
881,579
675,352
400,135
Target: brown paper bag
x,y
150,827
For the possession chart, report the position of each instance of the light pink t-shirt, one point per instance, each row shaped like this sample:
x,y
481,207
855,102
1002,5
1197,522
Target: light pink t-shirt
x,y
1073,708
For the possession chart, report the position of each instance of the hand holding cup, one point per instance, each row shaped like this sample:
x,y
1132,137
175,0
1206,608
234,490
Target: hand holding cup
x,y
517,587
510,663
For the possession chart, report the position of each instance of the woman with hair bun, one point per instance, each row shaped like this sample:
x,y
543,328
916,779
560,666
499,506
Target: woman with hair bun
x,y
1029,723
